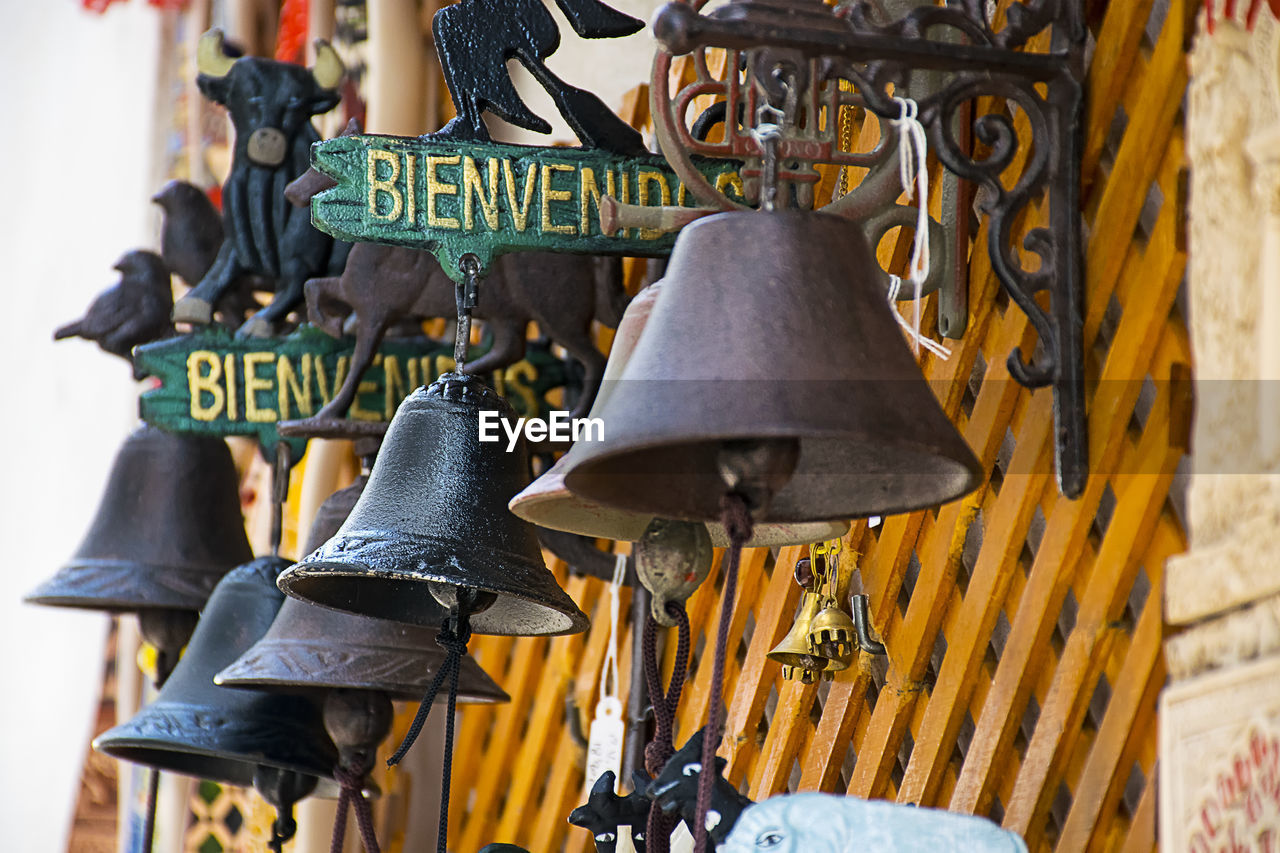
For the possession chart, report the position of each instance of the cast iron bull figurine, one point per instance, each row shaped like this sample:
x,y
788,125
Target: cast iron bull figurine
x,y
676,790
605,811
271,104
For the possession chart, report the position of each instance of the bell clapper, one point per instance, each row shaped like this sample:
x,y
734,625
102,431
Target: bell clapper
x,y
282,789
357,721
673,558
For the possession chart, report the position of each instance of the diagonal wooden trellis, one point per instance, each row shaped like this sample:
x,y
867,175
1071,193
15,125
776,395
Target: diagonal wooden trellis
x,y
1023,629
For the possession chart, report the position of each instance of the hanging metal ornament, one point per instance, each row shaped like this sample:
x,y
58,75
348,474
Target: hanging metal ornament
x,y
239,737
798,659
357,664
168,527
547,502
832,632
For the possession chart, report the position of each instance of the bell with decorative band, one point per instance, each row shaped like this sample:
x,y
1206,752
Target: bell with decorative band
x,y
314,647
433,519
548,503
772,367
199,729
167,529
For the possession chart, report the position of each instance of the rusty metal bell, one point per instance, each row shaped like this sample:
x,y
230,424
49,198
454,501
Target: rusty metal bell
x,y
311,647
548,503
199,729
434,518
770,335
168,527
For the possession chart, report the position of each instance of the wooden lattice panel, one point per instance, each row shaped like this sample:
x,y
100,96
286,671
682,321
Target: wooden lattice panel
x,y
1023,629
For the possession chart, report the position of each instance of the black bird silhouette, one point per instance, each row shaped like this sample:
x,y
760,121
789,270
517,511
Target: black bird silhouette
x,y
192,230
134,311
475,38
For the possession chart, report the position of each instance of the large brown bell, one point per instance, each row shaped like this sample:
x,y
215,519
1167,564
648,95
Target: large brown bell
x,y
434,518
167,528
547,502
315,647
199,729
770,334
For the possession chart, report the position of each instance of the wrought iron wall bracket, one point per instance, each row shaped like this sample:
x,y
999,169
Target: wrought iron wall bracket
x,y
1046,88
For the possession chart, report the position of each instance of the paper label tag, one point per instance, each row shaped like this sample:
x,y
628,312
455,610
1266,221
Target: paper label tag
x,y
604,741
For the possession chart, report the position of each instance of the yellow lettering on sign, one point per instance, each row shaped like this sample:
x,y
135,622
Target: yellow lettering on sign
x,y
442,364
200,382
387,186
410,192
518,379
233,395
322,378
253,385
549,195
436,187
643,179
519,212
415,373
393,385
588,193
357,412
682,194
473,188
287,382
731,180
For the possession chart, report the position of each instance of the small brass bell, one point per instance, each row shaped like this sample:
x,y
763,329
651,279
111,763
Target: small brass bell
x,y
797,659
433,519
832,632
548,503
718,393
168,527
199,729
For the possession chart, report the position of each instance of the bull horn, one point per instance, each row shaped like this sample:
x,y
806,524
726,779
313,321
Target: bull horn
x,y
328,69
211,56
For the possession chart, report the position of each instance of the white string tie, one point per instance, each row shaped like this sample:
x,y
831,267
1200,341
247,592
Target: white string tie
x,y
913,155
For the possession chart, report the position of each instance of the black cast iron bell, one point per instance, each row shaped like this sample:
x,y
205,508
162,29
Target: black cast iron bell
x,y
771,359
167,529
434,518
310,647
199,729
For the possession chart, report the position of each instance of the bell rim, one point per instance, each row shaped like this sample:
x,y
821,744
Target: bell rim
x,y
130,742
268,671
73,586
388,559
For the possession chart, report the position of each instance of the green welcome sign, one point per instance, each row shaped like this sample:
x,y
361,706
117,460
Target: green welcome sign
x,y
454,197
213,383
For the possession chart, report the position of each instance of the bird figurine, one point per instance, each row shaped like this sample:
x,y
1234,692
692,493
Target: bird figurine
x,y
134,311
192,230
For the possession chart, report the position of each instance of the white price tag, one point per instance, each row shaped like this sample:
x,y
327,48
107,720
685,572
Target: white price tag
x,y
604,742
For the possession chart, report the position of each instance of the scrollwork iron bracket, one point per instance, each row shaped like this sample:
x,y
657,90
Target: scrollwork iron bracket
x,y
1034,63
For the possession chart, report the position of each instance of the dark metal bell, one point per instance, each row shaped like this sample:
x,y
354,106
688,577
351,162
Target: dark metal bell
x,y
315,647
433,518
167,529
770,333
199,729
548,503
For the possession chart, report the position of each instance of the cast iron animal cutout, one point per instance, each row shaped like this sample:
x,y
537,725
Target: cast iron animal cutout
x,y
502,847
270,104
384,284
134,311
605,811
676,790
829,823
475,38
192,231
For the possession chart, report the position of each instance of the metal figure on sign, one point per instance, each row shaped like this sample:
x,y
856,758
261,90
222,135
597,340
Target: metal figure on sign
x,y
475,39
133,311
271,104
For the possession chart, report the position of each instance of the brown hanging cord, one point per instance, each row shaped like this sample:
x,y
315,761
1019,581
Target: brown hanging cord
x,y
352,781
736,518
453,638
659,750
